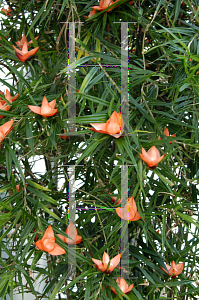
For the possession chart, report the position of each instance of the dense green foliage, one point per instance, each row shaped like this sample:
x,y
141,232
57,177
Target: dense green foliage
x,y
163,92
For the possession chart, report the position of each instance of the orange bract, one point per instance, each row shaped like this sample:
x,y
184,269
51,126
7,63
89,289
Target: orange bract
x,y
5,129
47,243
166,132
114,126
23,54
74,238
129,211
8,97
23,41
46,109
7,11
151,157
123,285
174,269
102,266
104,4
3,103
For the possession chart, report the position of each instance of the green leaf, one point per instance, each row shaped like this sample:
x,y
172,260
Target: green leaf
x,y
29,135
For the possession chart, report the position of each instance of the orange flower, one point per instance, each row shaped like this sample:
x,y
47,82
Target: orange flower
x,y
129,211
174,269
46,109
166,132
74,238
114,126
7,11
123,285
24,55
5,129
23,41
47,243
3,103
151,157
104,4
102,266
8,97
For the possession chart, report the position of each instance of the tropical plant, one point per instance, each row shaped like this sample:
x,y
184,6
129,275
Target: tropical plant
x,y
73,65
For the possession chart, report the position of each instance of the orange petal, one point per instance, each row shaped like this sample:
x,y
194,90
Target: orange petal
x,y
114,291
17,188
35,109
152,164
61,237
51,113
131,203
48,233
8,96
52,104
125,214
165,270
22,41
39,245
179,268
5,128
99,265
78,239
113,128
92,13
25,48
97,262
18,51
137,217
71,230
113,125
57,250
99,127
105,259
2,137
27,56
115,118
48,244
166,131
129,289
118,211
30,42
97,8
4,107
15,97
21,57
114,262
122,284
